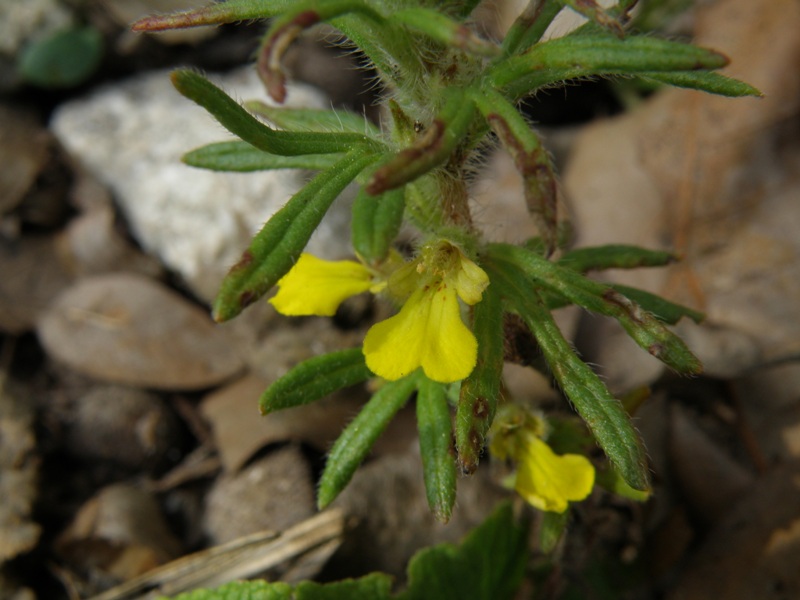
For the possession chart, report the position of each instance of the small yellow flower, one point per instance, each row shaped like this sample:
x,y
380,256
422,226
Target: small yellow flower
x,y
317,287
427,332
544,479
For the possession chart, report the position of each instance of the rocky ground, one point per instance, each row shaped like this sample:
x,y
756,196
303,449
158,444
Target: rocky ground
x,y
129,433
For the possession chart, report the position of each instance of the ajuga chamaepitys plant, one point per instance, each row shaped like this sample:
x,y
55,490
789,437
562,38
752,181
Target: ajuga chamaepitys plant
x,y
462,303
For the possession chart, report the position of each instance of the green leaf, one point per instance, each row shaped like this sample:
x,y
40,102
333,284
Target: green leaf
x,y
530,159
488,565
311,119
603,414
663,310
242,590
376,222
438,26
530,25
243,158
713,83
590,55
436,447
610,479
625,257
63,59
230,11
643,327
315,378
239,122
614,256
274,249
552,529
480,391
375,586
357,439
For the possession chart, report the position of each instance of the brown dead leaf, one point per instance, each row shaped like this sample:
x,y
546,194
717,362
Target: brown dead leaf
x,y
240,431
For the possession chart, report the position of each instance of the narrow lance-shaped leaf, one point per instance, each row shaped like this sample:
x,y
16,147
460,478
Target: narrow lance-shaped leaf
x,y
275,248
661,308
713,83
238,121
647,331
314,119
586,55
376,223
241,157
442,28
530,25
390,50
436,447
357,439
422,208
480,392
614,256
530,159
604,415
217,13
431,150
315,378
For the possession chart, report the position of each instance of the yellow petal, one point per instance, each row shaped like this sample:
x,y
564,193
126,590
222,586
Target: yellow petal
x,y
549,481
470,281
427,332
318,287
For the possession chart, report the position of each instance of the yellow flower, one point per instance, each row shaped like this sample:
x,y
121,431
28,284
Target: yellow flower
x,y
544,479
317,287
427,332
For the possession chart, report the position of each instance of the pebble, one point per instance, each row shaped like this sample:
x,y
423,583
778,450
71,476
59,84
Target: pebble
x,y
273,493
127,329
130,427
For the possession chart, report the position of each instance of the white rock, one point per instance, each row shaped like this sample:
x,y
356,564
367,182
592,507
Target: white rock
x,y
132,135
